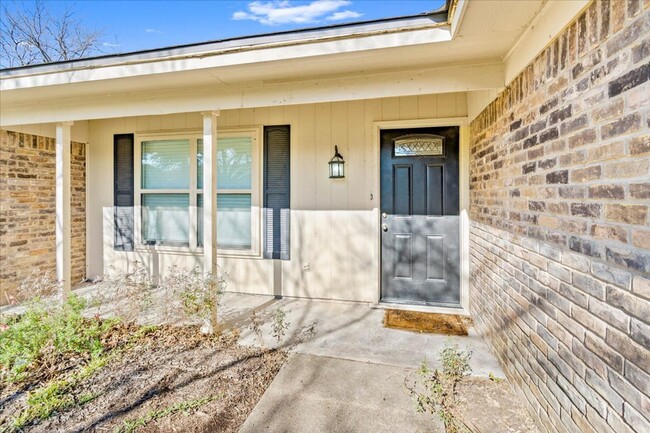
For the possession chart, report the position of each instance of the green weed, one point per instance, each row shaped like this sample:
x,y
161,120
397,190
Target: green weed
x,y
54,330
435,392
130,426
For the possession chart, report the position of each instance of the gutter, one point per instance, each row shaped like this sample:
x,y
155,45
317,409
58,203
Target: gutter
x,y
24,71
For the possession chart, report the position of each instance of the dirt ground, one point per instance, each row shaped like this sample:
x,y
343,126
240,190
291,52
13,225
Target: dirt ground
x,y
167,367
492,406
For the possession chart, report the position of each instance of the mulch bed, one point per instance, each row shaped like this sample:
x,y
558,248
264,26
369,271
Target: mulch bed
x,y
168,366
492,406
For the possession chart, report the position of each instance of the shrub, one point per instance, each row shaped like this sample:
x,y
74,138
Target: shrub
x,y
197,293
435,392
131,294
279,323
49,328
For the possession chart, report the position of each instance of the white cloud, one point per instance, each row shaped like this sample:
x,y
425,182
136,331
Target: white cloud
x,y
108,44
343,15
152,31
283,12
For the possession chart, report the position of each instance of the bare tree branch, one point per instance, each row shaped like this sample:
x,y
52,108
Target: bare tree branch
x,y
31,34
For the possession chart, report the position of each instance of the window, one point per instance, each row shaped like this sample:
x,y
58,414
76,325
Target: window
x,y
165,192
171,191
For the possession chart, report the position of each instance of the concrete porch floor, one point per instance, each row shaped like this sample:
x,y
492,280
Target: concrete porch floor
x,y
351,331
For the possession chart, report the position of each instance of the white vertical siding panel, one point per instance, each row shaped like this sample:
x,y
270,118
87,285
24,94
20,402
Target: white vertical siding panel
x,y
155,123
276,116
293,277
339,235
446,105
193,121
261,116
372,113
427,106
141,123
390,109
461,104
357,221
167,121
246,117
320,221
306,150
408,107
178,121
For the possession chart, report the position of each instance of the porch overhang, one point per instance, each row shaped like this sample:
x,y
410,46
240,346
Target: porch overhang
x,y
470,50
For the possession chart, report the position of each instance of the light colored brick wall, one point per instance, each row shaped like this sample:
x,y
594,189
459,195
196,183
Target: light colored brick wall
x,y
27,209
560,237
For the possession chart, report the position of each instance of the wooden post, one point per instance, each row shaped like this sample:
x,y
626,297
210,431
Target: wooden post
x,y
210,199
63,221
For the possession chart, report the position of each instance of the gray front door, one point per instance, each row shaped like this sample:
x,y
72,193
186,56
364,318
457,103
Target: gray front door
x,y
420,252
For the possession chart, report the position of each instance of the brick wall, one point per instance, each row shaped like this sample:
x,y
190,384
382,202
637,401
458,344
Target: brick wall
x,y
560,236
27,209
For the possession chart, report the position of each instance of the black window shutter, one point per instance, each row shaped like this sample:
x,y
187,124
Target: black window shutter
x,y
123,192
277,196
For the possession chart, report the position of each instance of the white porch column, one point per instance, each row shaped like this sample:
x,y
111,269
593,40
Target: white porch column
x,y
63,257
210,192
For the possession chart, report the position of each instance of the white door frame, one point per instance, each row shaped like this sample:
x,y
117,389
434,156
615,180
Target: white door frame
x,y
463,183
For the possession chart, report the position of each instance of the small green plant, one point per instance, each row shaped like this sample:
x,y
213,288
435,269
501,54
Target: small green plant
x,y
53,327
435,391
279,323
494,379
58,395
255,325
131,426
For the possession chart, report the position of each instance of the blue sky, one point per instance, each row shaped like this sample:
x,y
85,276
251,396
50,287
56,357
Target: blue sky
x,y
137,25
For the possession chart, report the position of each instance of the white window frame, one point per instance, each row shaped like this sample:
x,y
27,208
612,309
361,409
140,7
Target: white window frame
x,y
255,133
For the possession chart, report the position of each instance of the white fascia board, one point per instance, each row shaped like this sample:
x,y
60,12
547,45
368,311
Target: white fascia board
x,y
231,57
457,17
401,83
549,22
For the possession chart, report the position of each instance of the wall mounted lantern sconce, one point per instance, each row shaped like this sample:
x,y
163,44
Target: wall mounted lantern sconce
x,y
337,165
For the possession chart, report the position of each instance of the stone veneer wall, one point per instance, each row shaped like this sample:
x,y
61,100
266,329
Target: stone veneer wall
x,y
28,209
560,236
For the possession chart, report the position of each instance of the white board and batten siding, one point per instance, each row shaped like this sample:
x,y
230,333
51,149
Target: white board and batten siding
x,y
334,252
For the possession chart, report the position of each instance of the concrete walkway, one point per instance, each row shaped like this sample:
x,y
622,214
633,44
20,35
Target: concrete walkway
x,y
346,372
314,394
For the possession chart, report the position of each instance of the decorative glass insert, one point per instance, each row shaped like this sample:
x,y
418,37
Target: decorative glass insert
x,y
419,145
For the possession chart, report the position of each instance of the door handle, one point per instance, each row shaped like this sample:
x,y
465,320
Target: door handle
x,y
384,227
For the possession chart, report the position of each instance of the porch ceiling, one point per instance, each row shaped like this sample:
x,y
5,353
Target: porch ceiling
x,y
488,30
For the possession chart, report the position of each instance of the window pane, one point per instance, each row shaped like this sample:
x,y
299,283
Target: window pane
x,y
234,156
234,163
199,223
199,164
234,221
166,164
165,219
